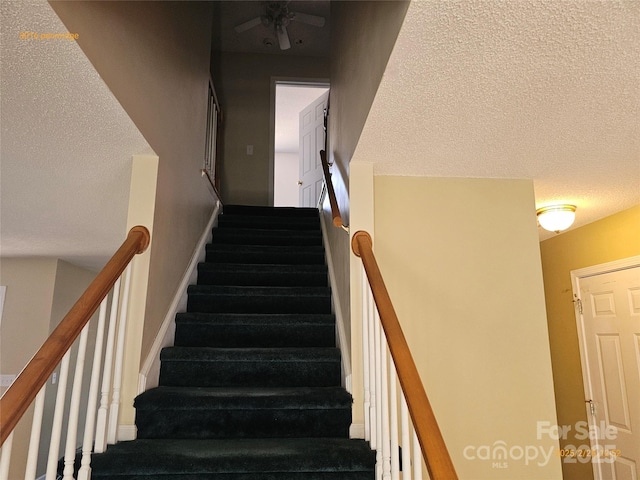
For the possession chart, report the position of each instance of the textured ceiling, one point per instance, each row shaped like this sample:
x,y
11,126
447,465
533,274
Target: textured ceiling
x,y
305,39
290,101
65,156
545,90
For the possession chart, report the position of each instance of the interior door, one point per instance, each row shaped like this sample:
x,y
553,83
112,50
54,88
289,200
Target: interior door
x,y
610,321
311,142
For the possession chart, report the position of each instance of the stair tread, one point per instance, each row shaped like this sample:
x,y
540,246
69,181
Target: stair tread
x,y
246,455
241,398
311,249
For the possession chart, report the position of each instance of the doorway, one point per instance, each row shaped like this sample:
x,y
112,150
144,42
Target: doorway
x,y
608,319
291,98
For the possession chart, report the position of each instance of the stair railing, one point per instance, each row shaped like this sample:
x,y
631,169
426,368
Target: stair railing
x,y
381,374
335,210
110,293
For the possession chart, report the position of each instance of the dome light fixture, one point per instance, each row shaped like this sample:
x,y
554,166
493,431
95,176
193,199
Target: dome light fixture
x,y
556,218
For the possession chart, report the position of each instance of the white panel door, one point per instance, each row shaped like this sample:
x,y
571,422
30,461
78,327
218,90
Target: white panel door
x,y
311,142
611,326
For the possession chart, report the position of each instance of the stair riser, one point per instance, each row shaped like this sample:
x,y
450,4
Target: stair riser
x,y
230,236
282,212
268,223
289,423
285,279
259,374
212,303
247,476
254,336
283,258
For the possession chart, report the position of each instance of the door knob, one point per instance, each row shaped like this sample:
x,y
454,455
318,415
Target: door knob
x,y
299,182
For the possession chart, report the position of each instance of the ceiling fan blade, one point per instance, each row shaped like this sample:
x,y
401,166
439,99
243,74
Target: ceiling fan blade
x,y
314,20
283,38
243,27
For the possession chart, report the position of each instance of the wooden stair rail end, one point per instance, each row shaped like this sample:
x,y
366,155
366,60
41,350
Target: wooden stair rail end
x,y
335,211
434,450
17,399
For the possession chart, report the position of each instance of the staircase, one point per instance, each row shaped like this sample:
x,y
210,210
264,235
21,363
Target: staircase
x,y
251,388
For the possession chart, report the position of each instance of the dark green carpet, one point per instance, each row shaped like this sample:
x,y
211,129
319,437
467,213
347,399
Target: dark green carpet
x,y
251,389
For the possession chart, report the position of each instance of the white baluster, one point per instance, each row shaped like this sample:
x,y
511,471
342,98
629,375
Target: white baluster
x,y
74,407
5,458
103,411
366,312
378,389
393,412
119,361
384,409
56,430
406,439
417,458
372,380
85,466
34,442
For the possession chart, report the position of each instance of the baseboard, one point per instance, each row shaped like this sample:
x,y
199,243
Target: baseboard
x,y
356,430
150,372
345,348
126,433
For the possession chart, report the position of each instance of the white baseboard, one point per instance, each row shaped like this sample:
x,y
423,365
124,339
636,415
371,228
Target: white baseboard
x,y
345,348
356,430
126,433
150,372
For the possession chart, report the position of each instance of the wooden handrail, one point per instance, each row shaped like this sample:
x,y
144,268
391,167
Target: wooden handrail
x,y
432,444
25,388
335,211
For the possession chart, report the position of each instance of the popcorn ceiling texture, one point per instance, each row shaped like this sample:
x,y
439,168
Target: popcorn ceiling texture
x,y
66,145
544,90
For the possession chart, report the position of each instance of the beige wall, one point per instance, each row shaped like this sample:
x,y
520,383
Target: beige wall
x,y
154,56
467,286
611,238
40,291
244,87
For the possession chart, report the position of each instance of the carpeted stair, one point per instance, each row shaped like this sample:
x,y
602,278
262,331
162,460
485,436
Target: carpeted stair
x,y
251,388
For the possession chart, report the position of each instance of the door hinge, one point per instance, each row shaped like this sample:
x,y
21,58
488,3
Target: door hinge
x,y
592,407
578,302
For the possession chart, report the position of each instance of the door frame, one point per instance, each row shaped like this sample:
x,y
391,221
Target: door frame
x,y
576,276
301,81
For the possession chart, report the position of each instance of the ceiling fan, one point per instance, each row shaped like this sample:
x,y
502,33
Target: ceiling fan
x,y
278,16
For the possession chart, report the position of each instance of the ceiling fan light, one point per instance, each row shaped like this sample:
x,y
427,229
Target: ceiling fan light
x,y
556,218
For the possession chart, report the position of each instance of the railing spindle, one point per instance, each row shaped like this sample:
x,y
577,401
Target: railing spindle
x,y
366,310
417,458
393,407
406,439
378,370
34,441
119,360
85,465
384,408
5,458
103,411
74,407
58,414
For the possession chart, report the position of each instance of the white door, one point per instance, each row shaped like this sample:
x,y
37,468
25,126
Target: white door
x,y
610,344
311,142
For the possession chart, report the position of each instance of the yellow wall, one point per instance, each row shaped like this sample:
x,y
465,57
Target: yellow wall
x,y
611,238
461,260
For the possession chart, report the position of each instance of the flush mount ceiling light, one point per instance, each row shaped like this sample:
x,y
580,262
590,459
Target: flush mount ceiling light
x,y
556,218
